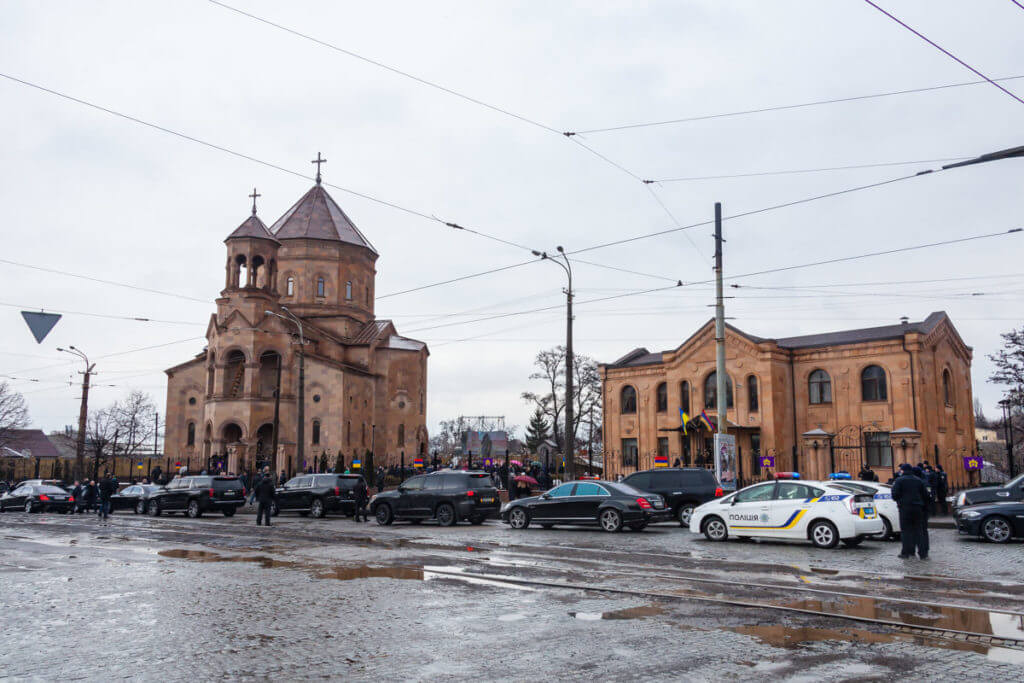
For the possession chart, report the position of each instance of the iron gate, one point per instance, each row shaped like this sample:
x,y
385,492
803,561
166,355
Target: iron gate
x,y
847,450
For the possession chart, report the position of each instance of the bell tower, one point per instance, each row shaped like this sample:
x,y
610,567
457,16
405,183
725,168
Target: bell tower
x,y
251,269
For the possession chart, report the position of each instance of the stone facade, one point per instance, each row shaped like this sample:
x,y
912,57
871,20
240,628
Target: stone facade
x,y
365,385
817,404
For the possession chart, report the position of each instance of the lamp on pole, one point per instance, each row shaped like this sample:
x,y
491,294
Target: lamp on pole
x,y
300,431
1007,407
569,447
83,411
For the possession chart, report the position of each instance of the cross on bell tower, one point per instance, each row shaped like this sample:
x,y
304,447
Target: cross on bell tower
x,y
254,195
318,161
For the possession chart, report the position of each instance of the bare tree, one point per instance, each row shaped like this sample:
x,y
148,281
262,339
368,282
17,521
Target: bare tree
x,y
550,366
136,423
447,439
101,429
13,411
1009,364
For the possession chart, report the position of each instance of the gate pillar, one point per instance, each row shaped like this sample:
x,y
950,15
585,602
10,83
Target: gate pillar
x,y
817,447
906,446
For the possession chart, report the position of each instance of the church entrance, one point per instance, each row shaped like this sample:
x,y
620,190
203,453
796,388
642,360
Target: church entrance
x,y
264,447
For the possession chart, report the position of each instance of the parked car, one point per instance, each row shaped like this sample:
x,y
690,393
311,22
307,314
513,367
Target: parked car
x,y
195,495
445,496
588,503
37,498
134,497
1011,490
682,488
797,510
997,522
887,508
317,494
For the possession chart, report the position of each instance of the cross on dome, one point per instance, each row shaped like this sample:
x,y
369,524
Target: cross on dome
x,y
254,195
318,161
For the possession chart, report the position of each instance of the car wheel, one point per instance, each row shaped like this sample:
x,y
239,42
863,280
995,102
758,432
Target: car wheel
x,y
518,518
715,529
140,507
887,535
445,514
611,520
28,507
154,508
384,514
684,514
638,526
193,510
823,534
317,508
853,542
996,530
229,512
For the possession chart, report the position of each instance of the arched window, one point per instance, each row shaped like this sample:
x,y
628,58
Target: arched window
x,y
241,274
234,375
316,432
947,387
711,391
270,361
210,376
628,400
872,384
819,387
662,397
684,397
321,287
191,434
289,286
752,403
401,435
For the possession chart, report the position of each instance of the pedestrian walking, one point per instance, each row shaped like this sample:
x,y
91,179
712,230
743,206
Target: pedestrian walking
x,y
107,488
90,495
360,496
911,495
76,494
255,482
266,494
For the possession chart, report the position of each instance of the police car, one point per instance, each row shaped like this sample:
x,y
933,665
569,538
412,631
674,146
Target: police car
x,y
882,493
788,508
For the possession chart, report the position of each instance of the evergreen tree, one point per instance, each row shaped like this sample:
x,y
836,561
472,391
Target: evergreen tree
x,y
537,431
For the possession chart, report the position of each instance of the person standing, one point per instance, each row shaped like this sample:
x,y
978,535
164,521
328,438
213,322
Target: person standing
x,y
360,495
255,482
266,494
911,496
108,487
76,493
90,495
282,479
943,489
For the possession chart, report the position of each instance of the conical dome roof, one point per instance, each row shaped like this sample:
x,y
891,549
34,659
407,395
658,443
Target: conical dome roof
x,y
317,216
254,228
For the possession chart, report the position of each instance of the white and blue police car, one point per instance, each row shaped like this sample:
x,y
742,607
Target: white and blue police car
x,y
788,508
884,504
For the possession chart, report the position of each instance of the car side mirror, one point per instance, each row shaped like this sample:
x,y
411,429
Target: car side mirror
x,y
545,496
402,489
733,502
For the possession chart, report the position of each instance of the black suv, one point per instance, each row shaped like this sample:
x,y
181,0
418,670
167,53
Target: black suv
x,y
446,496
199,494
683,488
317,494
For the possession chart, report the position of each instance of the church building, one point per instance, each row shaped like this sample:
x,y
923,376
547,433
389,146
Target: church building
x,y
300,290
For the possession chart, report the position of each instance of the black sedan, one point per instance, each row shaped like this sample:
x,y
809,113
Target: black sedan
x,y
1012,490
135,497
996,522
37,498
588,503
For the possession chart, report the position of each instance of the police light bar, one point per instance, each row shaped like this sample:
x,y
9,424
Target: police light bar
x,y
840,475
787,475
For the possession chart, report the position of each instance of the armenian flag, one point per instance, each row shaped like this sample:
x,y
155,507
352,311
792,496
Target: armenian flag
x,y
661,461
706,421
418,463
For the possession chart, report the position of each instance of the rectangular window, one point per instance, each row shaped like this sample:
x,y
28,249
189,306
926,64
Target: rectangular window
x,y
878,449
629,451
663,446
348,291
321,287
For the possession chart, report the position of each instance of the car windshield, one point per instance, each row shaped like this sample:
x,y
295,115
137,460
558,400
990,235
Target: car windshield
x,y
1016,481
853,488
50,489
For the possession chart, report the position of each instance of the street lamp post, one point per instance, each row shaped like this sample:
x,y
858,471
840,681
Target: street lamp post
x,y
1007,407
83,411
569,446
300,431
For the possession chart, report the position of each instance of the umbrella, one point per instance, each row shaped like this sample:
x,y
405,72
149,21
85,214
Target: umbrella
x,y
516,462
526,479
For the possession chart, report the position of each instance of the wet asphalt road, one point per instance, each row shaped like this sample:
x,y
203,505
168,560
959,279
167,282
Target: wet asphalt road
x,y
177,599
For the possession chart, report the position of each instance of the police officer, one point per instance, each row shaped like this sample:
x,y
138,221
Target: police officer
x,y
943,489
360,494
266,494
911,495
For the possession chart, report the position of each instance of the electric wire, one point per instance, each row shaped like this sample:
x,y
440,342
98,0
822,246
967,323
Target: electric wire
x,y
102,315
943,50
757,174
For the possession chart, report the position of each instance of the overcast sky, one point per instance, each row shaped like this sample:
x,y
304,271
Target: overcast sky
x,y
87,192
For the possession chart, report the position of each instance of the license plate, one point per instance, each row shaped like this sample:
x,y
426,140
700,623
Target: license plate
x,y
867,512
229,493
486,500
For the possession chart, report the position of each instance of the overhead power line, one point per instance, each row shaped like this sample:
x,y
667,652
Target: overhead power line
x,y
783,107
825,169
100,280
103,315
943,50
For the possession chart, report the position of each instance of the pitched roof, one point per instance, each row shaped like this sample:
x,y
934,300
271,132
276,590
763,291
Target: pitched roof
x,y
17,441
370,331
254,228
639,356
865,334
317,216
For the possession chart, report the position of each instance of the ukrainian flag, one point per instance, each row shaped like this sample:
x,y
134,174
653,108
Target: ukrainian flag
x,y
356,464
685,418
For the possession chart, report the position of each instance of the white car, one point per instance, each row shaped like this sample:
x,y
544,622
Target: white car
x,y
885,505
798,510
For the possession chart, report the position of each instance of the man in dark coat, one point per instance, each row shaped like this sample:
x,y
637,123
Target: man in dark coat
x,y
912,497
90,495
931,477
282,479
266,494
108,487
360,494
76,493
943,489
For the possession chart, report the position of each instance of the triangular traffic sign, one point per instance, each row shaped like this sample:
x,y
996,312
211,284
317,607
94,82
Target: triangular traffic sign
x,y
40,323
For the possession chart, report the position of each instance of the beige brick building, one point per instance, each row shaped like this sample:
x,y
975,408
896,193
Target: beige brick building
x,y
816,403
365,384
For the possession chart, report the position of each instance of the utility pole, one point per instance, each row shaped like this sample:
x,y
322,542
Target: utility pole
x,y
590,443
277,413
1007,406
83,411
720,376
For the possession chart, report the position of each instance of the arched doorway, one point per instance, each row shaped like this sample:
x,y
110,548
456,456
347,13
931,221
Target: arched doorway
x,y
264,447
231,435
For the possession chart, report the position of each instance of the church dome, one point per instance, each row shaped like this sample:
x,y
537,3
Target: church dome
x,y
317,216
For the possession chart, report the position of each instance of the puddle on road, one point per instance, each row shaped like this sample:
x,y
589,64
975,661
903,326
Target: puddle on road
x,y
628,613
793,637
367,572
